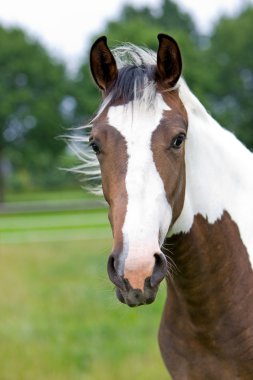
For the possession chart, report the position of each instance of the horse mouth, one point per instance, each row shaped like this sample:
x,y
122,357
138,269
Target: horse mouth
x,y
137,297
138,292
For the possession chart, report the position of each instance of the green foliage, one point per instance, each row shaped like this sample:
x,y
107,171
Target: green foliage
x,y
33,88
38,99
230,65
219,68
138,26
171,18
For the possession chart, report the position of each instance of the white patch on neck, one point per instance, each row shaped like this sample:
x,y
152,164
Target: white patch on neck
x,y
219,173
148,213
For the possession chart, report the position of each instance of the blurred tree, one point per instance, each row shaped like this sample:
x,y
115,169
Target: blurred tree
x,y
140,26
219,68
171,17
229,62
33,103
38,100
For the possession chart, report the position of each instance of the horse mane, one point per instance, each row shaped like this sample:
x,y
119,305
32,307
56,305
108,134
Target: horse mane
x,y
135,82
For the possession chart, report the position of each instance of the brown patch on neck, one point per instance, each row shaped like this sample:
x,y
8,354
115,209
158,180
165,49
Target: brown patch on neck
x,y
209,310
211,252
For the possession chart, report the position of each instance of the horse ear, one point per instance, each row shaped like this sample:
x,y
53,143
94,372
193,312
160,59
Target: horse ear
x,y
169,61
102,64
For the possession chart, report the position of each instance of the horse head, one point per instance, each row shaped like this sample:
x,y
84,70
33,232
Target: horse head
x,y
139,137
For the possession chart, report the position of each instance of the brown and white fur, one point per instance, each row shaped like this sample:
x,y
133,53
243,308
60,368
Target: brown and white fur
x,y
179,189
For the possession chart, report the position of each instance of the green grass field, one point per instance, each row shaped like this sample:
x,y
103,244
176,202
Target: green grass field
x,y
59,318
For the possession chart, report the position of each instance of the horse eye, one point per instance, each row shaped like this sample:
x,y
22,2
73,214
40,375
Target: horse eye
x,y
94,147
177,142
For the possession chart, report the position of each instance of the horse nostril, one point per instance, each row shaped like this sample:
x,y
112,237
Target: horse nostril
x,y
112,272
159,270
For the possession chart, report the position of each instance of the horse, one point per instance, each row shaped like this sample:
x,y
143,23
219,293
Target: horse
x,y
179,189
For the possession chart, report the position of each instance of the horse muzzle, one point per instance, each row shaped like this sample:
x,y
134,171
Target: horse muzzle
x,y
131,295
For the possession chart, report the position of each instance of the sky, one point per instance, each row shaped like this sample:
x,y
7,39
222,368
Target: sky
x,y
65,27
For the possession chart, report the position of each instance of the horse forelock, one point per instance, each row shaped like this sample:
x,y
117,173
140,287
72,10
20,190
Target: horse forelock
x,y
134,83
136,77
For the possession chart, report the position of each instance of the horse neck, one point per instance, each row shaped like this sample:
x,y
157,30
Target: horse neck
x,y
211,242
218,174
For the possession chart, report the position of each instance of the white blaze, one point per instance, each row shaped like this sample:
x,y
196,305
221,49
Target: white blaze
x,y
148,212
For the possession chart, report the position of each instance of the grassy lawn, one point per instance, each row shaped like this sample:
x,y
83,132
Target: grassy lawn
x,y
60,319
58,226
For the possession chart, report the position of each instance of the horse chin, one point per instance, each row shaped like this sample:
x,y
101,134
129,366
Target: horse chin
x,y
137,297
